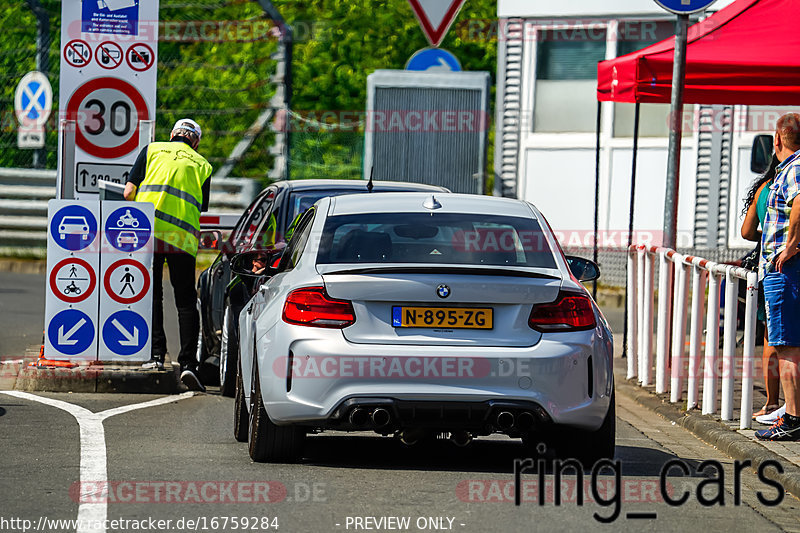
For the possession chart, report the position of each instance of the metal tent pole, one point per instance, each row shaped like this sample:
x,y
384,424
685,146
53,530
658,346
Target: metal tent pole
x,y
631,209
675,134
595,252
636,117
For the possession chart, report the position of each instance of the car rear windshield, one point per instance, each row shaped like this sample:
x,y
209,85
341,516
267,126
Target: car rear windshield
x,y
452,238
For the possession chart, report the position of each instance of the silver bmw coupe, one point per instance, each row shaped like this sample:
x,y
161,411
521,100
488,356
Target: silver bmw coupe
x,y
416,315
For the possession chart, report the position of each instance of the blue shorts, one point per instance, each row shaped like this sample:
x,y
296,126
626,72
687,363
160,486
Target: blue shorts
x,y
782,299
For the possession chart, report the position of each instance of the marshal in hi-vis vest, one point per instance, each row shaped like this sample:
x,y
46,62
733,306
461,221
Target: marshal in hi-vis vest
x,y
173,182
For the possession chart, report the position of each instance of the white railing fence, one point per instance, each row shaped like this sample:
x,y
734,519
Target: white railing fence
x,y
702,367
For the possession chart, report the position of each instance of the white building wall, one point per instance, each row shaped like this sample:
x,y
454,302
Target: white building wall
x,y
584,8
556,171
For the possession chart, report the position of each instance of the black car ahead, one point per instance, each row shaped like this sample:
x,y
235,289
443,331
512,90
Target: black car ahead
x,y
263,226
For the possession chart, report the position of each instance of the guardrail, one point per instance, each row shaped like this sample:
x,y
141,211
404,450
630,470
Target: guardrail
x,y
670,329
24,194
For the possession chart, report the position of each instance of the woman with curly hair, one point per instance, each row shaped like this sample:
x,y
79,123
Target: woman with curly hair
x,y
755,209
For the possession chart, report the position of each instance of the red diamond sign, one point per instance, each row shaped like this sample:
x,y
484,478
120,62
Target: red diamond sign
x,y
436,16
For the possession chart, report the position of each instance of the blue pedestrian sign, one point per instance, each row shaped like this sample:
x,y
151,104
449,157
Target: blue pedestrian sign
x,y
73,227
71,332
128,229
685,7
433,60
125,332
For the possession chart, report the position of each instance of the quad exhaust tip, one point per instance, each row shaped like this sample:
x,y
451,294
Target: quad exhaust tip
x,y
525,421
381,417
461,438
358,416
409,437
505,420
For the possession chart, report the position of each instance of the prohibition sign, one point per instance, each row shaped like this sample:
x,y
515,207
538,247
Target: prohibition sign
x,y
108,55
122,299
140,57
81,296
78,53
73,113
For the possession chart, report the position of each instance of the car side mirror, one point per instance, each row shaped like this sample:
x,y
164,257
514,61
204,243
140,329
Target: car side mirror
x,y
210,240
256,263
583,269
761,156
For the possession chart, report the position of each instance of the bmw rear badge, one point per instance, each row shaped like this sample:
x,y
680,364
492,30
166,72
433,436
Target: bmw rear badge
x,y
442,291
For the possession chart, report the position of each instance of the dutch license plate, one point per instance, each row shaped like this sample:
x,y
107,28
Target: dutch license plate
x,y
442,317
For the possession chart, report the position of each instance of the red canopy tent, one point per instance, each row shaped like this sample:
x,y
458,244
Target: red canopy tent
x,y
747,53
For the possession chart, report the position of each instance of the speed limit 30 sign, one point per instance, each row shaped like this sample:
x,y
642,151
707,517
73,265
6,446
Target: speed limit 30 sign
x,y
109,58
107,112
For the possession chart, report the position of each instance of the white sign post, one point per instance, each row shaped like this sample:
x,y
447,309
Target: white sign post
x,y
126,295
73,262
109,52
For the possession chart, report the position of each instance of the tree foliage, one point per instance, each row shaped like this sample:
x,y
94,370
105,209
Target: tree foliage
x,y
225,83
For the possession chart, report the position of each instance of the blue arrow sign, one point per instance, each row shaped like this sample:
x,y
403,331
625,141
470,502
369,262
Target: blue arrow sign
x,y
71,332
73,227
128,229
434,60
125,332
685,7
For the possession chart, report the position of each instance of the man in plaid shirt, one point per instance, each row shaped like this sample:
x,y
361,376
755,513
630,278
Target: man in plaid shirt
x,y
780,269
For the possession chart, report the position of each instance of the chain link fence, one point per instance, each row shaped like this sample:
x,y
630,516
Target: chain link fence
x,y
17,58
216,60
326,145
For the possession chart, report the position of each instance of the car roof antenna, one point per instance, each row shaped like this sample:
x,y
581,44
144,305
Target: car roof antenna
x,y
369,183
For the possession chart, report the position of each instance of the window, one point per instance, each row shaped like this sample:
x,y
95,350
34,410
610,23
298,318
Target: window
x,y
654,118
422,238
765,118
244,233
566,79
298,243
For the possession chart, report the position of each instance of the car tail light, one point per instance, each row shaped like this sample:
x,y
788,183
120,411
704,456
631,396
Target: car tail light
x,y
570,312
312,306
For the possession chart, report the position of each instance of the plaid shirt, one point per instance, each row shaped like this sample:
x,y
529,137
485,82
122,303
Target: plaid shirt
x,y
779,206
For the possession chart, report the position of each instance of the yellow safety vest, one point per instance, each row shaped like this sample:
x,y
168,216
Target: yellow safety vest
x,y
173,182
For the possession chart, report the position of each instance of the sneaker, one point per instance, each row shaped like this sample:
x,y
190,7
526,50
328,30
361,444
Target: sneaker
x,y
154,364
770,418
190,379
780,431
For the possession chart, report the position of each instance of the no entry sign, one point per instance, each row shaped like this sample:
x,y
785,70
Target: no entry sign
x,y
72,280
126,281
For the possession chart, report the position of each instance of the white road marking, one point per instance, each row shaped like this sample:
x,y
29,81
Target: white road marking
x,y
93,471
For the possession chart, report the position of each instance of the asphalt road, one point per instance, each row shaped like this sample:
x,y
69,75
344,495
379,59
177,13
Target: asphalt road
x,y
188,445
22,312
177,461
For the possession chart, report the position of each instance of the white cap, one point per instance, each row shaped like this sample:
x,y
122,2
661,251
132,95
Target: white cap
x,y
190,125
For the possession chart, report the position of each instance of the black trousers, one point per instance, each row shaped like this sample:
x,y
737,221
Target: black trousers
x,y
181,275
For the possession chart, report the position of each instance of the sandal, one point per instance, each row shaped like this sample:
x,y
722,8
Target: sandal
x,y
765,410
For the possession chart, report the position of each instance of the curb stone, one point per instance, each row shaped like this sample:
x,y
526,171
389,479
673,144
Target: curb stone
x,y
715,433
106,378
